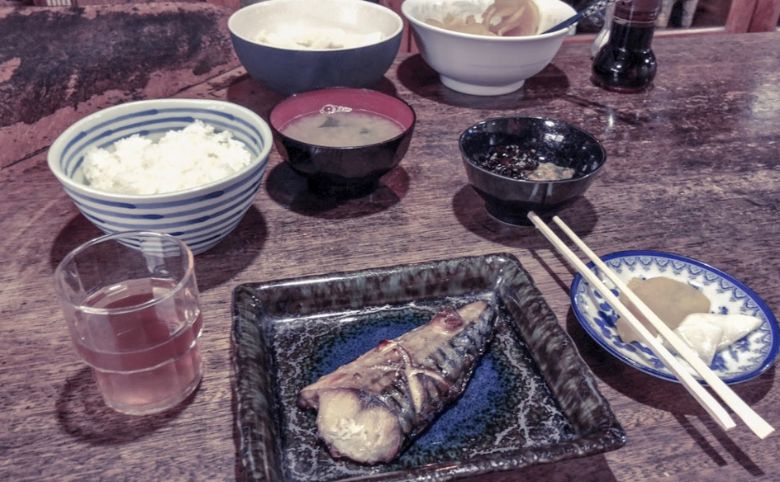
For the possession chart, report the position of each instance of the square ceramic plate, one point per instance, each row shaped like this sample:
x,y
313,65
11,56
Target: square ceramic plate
x,y
531,398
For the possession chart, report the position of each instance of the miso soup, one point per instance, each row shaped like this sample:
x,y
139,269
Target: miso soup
x,y
342,129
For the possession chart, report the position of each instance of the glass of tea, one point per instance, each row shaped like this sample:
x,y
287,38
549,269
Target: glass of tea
x,y
131,304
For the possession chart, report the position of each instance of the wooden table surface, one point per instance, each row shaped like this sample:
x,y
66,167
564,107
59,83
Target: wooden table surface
x,y
693,168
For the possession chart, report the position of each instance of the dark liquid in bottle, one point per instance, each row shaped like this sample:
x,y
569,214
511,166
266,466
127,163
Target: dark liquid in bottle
x,y
626,63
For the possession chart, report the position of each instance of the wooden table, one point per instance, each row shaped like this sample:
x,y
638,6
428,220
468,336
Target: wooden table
x,y
694,168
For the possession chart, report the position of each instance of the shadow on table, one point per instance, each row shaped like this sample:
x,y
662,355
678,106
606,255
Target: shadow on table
x,y
290,190
212,268
234,253
82,414
583,469
649,390
77,232
724,439
670,397
246,91
255,96
470,211
420,78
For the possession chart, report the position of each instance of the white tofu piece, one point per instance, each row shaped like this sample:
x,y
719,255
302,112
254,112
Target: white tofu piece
x,y
734,327
701,335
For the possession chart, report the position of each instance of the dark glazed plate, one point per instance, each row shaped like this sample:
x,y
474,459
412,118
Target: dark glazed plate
x,y
531,399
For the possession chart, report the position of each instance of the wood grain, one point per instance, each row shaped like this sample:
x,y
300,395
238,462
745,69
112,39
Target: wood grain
x,y
740,15
692,168
765,16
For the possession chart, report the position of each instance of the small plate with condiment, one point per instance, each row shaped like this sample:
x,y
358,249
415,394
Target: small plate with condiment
x,y
744,359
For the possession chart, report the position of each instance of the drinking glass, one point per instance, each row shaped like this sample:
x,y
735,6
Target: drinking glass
x,y
131,304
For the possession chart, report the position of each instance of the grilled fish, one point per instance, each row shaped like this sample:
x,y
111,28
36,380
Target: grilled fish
x,y
372,407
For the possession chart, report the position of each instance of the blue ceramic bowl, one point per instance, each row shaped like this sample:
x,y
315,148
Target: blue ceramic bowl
x,y
200,216
509,199
290,69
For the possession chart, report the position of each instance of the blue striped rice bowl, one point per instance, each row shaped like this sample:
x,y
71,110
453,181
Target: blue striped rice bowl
x,y
200,216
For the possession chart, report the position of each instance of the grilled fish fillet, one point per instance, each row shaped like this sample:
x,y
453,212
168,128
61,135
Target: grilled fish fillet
x,y
370,408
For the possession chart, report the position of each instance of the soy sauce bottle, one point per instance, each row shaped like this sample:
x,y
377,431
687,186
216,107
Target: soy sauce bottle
x,y
626,63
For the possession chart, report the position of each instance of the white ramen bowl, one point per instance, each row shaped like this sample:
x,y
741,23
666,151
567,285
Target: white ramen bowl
x,y
200,216
478,64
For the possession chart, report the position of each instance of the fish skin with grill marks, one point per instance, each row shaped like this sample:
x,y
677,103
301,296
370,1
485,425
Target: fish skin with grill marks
x,y
370,409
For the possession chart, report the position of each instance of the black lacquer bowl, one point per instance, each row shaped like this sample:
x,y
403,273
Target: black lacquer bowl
x,y
554,141
530,400
350,169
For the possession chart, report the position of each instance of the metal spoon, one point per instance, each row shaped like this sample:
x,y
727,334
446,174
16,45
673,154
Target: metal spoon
x,y
594,7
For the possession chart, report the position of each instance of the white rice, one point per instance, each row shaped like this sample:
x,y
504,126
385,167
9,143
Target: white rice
x,y
179,160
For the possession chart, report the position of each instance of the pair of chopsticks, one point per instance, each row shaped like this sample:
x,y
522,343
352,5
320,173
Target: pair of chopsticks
x,y
758,425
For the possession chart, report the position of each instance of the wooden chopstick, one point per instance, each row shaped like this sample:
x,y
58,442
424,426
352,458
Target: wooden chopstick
x,y
696,390
752,419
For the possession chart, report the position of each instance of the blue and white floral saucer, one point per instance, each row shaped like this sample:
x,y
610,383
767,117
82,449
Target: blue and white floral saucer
x,y
745,359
